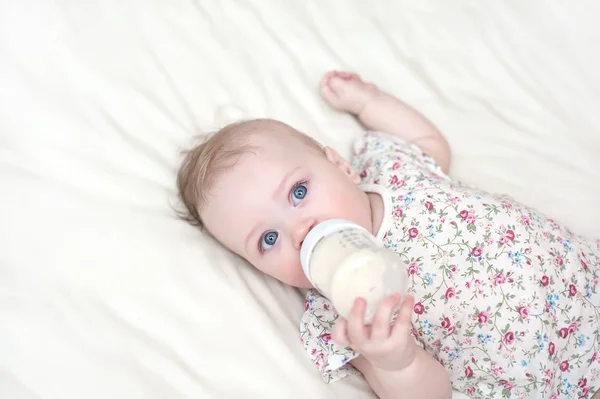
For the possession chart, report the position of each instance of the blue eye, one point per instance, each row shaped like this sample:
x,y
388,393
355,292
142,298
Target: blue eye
x,y
268,240
298,193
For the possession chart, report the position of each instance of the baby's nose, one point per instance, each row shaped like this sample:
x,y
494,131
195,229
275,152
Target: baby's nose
x,y
301,230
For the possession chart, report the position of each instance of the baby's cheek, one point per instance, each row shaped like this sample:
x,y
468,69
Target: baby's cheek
x,y
291,271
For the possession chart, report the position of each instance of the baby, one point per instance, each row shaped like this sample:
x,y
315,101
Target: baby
x,y
504,302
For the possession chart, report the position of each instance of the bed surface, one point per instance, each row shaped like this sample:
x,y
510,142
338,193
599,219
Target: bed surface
x,y
104,293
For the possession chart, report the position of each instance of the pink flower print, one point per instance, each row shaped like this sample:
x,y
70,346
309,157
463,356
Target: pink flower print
x,y
582,382
563,332
583,264
523,312
446,323
510,235
507,385
325,306
564,365
471,389
306,305
509,338
476,251
553,396
544,281
464,213
559,260
468,372
450,293
584,392
398,212
397,182
483,317
413,268
428,205
363,174
313,352
503,240
419,308
413,232
551,348
325,337
396,165
526,220
572,290
572,328
496,370
451,330
500,278
471,219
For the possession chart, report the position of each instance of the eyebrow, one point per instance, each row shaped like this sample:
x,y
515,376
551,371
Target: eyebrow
x,y
283,184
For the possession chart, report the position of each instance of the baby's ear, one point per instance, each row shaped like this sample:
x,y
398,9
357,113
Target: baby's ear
x,y
336,159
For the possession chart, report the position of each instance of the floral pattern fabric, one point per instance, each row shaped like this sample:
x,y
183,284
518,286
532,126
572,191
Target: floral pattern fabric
x,y
506,299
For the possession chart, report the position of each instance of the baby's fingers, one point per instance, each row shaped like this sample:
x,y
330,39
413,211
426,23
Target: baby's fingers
x,y
339,332
403,325
381,322
357,331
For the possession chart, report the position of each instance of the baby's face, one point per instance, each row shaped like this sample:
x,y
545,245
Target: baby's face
x,y
263,208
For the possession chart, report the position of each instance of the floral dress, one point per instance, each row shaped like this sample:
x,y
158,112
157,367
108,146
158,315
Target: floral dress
x,y
506,299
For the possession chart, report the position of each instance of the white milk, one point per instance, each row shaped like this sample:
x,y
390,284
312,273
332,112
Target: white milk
x,y
344,262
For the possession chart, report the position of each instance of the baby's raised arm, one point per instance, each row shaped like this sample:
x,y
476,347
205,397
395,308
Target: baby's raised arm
x,y
383,112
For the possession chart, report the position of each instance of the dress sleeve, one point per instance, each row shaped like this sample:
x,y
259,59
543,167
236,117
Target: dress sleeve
x,y
331,359
378,152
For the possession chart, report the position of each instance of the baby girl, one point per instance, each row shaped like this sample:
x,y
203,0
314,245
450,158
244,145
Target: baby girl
x,y
504,301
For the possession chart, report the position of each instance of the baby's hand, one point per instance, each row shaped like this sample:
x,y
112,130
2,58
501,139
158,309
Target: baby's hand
x,y
346,91
388,347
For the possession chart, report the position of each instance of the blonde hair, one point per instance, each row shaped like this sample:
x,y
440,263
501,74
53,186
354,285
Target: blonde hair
x,y
203,164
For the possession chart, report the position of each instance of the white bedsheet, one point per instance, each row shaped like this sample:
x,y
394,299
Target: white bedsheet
x,y
105,294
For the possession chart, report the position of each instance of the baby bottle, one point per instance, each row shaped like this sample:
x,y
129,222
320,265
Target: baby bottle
x,y
344,261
